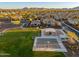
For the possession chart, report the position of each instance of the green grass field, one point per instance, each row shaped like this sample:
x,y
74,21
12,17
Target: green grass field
x,y
21,44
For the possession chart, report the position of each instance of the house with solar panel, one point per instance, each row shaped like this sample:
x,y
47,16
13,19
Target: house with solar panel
x,y
50,40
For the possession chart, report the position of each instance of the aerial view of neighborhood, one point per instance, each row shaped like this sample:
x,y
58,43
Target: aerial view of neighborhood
x,y
39,29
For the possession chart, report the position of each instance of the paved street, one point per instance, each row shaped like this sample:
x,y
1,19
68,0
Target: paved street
x,y
6,26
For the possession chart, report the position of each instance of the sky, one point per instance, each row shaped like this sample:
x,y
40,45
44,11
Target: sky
x,y
16,5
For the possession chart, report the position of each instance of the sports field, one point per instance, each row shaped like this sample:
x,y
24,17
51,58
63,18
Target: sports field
x,y
20,43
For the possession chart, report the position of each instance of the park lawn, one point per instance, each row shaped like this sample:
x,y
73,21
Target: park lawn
x,y
48,54
21,44
23,30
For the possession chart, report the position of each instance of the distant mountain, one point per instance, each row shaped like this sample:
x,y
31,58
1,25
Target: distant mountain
x,y
76,8
25,8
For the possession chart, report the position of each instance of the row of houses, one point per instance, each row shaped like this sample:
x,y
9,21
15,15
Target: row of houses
x,y
73,21
47,22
